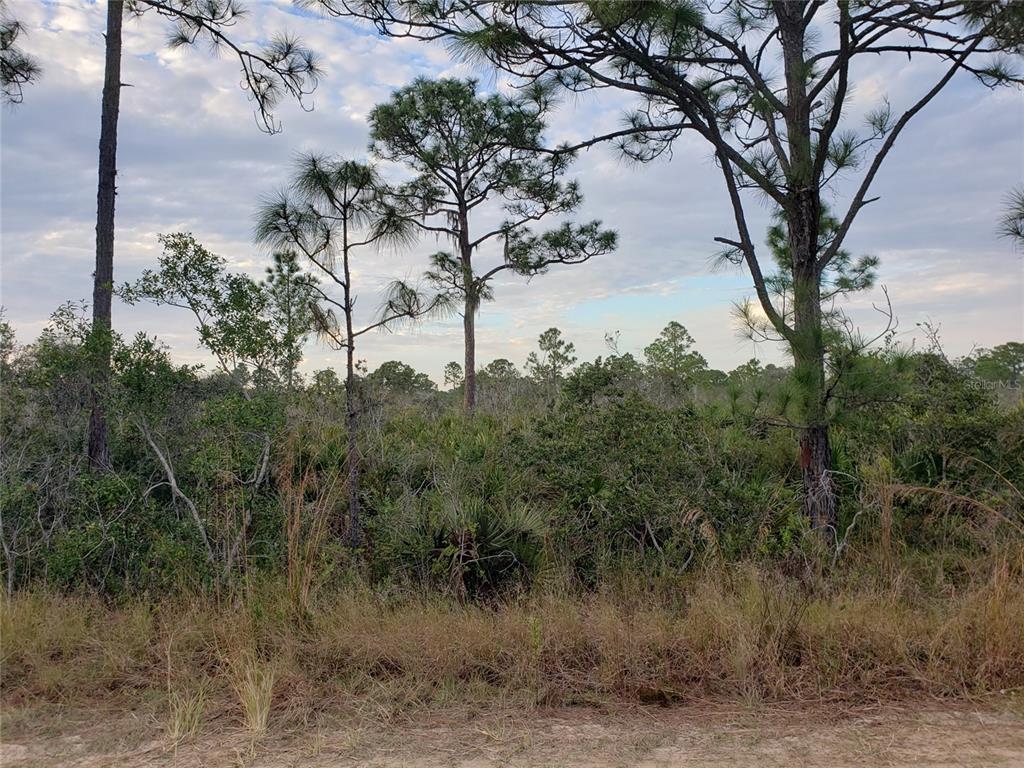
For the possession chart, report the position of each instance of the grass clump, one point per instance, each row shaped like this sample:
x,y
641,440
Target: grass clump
x,y
185,714
253,684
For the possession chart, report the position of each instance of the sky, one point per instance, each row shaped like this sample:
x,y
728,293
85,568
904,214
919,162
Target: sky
x,y
191,158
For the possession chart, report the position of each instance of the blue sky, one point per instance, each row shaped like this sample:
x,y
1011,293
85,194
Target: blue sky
x,y
192,159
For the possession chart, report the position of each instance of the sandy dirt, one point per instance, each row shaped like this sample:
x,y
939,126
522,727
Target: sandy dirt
x,y
926,734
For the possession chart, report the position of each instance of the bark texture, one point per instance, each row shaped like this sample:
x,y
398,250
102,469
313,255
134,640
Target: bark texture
x,y
803,221
355,530
472,303
103,278
355,522
469,361
816,473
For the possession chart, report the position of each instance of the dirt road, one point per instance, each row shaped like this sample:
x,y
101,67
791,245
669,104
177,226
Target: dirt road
x,y
652,737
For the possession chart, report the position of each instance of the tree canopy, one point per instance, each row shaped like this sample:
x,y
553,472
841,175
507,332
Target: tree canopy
x,y
766,85
468,150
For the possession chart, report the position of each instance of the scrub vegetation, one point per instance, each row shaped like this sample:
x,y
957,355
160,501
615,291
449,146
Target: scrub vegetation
x,y
258,538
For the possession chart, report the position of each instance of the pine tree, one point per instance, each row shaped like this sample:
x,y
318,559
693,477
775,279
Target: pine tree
x,y
17,68
469,150
332,209
291,295
764,85
282,66
553,361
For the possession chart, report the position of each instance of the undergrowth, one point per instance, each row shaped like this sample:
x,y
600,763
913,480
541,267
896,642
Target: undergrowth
x,y
738,631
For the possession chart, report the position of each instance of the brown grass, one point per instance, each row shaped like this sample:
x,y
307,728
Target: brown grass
x,y
310,501
738,633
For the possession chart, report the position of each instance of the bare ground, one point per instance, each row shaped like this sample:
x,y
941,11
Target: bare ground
x,y
707,734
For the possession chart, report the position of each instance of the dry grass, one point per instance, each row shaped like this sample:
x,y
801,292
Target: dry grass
x,y
185,714
739,632
253,683
310,502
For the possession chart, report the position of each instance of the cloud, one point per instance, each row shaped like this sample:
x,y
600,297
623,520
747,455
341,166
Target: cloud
x,y
191,158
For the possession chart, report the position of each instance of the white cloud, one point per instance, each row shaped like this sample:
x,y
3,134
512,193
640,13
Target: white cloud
x,y
191,158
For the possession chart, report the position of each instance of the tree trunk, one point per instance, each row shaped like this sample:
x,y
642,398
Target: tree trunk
x,y
469,312
816,472
808,346
469,335
103,279
803,219
355,532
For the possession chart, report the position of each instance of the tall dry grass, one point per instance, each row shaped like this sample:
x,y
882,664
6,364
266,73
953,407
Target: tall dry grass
x,y
737,632
310,501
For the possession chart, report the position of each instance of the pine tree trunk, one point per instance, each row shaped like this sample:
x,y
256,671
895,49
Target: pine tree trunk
x,y
355,533
816,473
803,219
469,312
469,336
103,279
808,347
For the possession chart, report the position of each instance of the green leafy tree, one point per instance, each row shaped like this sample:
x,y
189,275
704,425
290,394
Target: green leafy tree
x,y
550,364
41,427
752,372
239,322
453,376
500,370
468,150
609,378
332,209
764,86
501,387
233,313
396,377
291,296
672,359
748,371
1003,364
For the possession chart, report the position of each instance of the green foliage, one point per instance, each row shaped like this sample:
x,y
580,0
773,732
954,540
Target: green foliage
x,y
118,541
631,478
147,380
553,361
843,274
1003,364
240,321
434,125
453,375
395,377
610,478
529,254
291,293
17,68
609,377
451,509
672,359
500,371
468,149
1011,223
332,208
